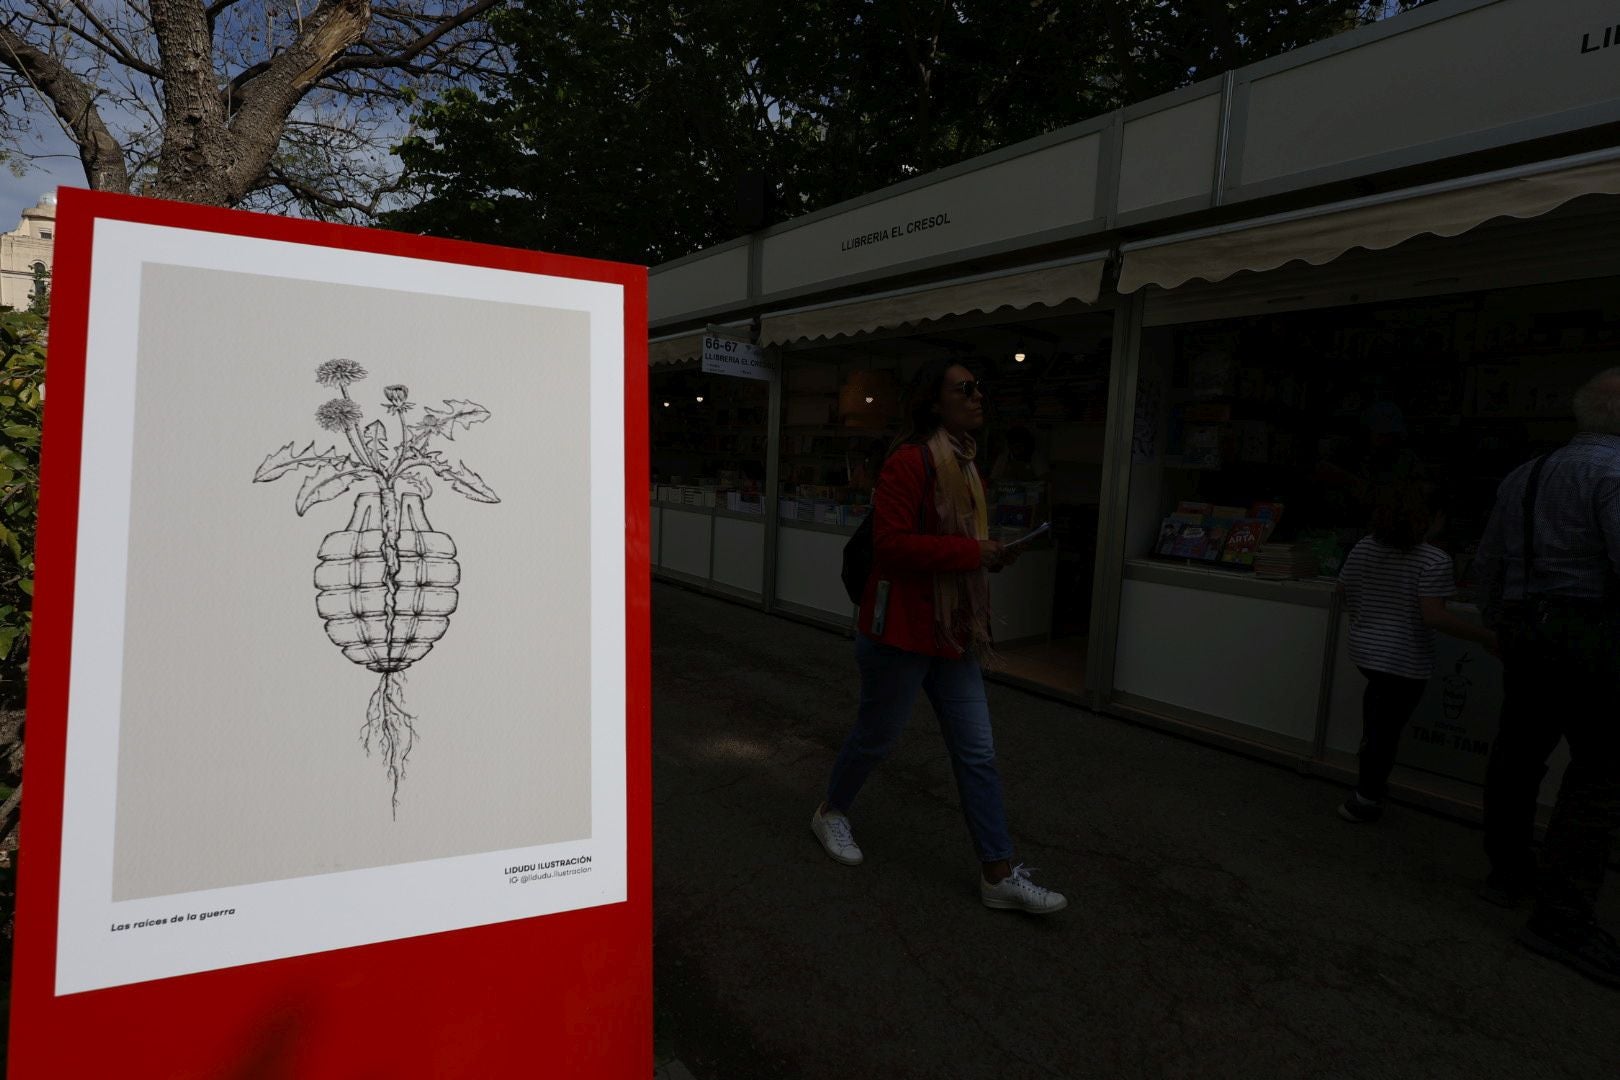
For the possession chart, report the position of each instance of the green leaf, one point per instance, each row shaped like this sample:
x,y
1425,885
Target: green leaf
x,y
8,635
328,482
462,479
285,460
26,585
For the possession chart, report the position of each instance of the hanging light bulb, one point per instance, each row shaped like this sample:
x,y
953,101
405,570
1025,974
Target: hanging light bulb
x,y
666,404
1018,357
700,399
870,399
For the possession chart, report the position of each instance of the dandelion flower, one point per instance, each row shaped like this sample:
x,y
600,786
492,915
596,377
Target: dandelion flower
x,y
396,396
339,373
338,414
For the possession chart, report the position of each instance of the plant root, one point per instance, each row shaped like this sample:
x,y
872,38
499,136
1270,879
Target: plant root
x,y
392,727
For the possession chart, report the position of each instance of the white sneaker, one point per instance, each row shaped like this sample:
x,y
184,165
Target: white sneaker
x,y
1017,892
832,829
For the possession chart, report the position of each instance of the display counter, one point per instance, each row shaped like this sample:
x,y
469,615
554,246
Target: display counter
x,y
809,562
1268,662
1225,650
711,547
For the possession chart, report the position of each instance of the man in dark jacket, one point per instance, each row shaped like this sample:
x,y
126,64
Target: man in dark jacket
x,y
1548,564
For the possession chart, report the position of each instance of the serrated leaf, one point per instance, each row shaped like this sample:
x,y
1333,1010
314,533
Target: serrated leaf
x,y
460,413
375,440
328,482
417,484
285,460
462,479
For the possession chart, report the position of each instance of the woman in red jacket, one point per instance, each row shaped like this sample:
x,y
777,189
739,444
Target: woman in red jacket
x,y
925,625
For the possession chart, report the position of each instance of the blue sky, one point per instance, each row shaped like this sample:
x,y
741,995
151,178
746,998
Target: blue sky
x,y
19,193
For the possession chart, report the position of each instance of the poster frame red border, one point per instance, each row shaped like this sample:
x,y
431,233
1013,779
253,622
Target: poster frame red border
x,y
558,995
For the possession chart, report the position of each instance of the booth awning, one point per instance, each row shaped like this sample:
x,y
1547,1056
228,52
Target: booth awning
x,y
681,348
674,350
1323,233
1048,284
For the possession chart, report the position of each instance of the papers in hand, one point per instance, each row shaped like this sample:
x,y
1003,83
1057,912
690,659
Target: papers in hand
x,y
1040,530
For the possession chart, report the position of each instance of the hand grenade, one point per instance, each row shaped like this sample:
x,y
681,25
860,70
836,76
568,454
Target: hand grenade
x,y
387,633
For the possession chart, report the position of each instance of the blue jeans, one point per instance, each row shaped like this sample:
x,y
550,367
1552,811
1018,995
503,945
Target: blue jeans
x,y
890,679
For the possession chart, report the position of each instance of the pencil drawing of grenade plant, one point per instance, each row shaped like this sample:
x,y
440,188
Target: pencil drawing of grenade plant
x,y
386,584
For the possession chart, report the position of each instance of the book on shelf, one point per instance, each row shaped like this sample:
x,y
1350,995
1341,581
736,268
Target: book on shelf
x,y
1243,542
1168,531
1285,561
1198,542
1270,513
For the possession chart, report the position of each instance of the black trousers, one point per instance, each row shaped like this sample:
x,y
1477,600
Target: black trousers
x,y
1560,679
1386,707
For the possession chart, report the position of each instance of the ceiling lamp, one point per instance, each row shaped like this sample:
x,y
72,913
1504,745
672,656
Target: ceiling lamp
x,y
867,398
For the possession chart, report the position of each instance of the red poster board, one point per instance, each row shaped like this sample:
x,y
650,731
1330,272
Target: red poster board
x,y
431,952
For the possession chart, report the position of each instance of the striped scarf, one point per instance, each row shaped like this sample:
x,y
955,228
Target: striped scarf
x,y
961,600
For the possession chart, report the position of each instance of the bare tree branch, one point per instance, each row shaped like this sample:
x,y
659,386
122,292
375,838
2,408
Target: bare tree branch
x,y
111,43
411,51
73,103
218,8
331,202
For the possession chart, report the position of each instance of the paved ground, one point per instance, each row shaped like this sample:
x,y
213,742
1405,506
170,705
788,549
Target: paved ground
x,y
1223,922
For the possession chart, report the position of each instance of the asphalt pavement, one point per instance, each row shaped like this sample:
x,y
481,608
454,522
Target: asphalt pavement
x,y
1222,920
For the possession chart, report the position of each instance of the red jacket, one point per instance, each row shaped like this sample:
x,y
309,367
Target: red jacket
x,y
908,557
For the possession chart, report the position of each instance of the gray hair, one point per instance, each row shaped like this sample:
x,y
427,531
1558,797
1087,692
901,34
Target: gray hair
x,y
1597,404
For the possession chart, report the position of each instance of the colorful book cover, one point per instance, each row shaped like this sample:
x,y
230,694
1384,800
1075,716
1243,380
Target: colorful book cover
x,y
1243,542
1214,540
1167,536
1189,542
1269,512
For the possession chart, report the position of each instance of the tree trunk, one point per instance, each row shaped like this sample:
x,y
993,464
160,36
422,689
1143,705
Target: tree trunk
x,y
198,148
217,146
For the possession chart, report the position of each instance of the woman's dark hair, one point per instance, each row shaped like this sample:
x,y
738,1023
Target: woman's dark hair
x,y
921,419
1403,514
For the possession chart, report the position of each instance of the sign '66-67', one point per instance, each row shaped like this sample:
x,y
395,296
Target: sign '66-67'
x,y
725,356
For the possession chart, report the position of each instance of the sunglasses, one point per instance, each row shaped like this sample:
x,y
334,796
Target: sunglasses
x,y
969,387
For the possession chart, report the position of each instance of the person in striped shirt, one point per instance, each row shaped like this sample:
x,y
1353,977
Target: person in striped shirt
x,y
1395,585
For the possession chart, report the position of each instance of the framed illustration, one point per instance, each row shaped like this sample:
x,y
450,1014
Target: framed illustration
x,y
338,712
